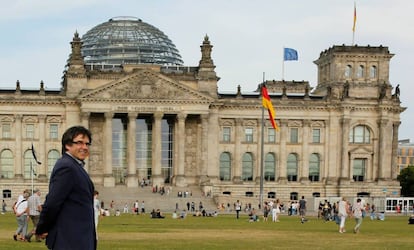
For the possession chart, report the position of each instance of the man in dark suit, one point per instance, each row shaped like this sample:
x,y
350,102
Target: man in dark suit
x,y
67,217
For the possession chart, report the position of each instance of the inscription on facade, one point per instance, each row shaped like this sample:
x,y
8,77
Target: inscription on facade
x,y
143,109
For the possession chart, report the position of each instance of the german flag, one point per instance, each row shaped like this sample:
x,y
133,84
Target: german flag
x,y
355,18
267,103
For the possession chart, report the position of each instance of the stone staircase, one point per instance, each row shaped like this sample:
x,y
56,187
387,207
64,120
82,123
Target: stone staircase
x,y
167,202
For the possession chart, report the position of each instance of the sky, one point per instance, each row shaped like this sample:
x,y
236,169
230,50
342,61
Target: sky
x,y
247,37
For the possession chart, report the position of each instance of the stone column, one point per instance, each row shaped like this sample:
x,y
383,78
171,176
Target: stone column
x,y
384,163
258,159
281,171
84,117
109,180
213,153
304,163
394,165
204,148
237,166
345,169
132,180
156,150
18,150
180,140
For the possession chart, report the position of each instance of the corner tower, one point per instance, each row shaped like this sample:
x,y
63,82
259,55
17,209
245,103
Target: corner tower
x,y
354,71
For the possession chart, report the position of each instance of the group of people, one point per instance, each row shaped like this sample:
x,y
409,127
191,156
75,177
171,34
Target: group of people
x,y
345,209
27,206
68,218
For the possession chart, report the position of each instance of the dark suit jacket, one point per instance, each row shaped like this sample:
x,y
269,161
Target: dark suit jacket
x,y
67,214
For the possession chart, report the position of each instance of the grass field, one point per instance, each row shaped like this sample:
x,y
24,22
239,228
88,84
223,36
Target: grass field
x,y
226,232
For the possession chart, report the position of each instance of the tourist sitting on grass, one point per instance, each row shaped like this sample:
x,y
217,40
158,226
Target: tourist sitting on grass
x,y
174,215
183,214
157,214
253,216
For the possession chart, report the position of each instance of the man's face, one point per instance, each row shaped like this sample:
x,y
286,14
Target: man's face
x,y
80,147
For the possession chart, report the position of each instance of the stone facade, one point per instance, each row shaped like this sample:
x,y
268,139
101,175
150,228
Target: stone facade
x,y
171,126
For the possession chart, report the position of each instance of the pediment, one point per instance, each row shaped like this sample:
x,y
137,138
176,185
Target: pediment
x,y
145,85
360,151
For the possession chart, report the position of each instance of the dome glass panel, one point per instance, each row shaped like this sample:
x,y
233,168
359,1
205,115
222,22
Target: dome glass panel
x,y
128,40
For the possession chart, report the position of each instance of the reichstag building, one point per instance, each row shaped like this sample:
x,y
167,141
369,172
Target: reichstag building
x,y
156,120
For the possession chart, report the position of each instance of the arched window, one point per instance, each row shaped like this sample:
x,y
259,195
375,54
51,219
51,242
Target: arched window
x,y
359,134
294,196
373,72
360,72
225,166
269,168
247,167
7,164
348,71
52,158
292,167
314,166
29,165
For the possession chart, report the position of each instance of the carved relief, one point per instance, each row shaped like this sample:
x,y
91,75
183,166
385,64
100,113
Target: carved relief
x,y
145,85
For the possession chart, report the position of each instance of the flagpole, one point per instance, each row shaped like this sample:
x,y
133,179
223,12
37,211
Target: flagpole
x,y
353,26
262,149
31,174
283,63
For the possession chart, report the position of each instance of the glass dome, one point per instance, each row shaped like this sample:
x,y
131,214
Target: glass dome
x,y
128,40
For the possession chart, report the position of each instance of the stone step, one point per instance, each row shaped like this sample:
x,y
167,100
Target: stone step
x,y
167,202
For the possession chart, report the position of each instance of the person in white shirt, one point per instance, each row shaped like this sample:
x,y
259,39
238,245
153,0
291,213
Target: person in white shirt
x,y
21,210
343,210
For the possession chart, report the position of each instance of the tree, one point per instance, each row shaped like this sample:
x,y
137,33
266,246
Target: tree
x,y
406,179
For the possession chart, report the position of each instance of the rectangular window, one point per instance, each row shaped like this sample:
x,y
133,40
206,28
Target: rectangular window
x,y
249,134
359,169
294,137
226,134
271,135
53,132
6,130
316,135
29,131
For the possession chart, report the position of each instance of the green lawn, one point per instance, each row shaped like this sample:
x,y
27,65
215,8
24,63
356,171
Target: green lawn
x,y
226,232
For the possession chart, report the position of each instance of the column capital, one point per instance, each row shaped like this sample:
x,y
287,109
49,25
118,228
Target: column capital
x,y
181,116
85,115
239,121
204,116
132,115
42,117
18,117
158,115
345,121
284,122
307,122
382,122
109,115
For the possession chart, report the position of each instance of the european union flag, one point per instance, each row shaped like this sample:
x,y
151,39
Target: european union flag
x,y
290,54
